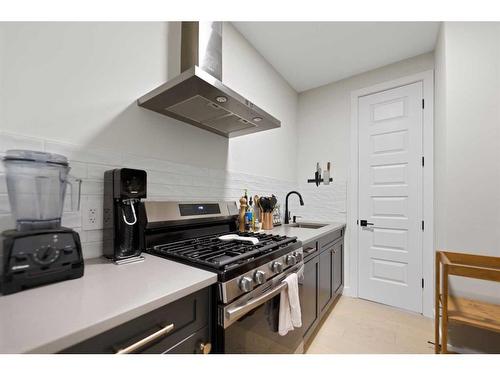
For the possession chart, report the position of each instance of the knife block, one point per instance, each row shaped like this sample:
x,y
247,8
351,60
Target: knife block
x,y
267,220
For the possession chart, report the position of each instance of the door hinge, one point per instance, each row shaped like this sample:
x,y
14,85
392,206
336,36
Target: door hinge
x,y
423,226
423,161
423,103
423,283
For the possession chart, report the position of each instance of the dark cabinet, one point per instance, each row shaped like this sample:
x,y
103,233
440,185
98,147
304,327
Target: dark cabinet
x,y
182,326
323,279
338,268
309,296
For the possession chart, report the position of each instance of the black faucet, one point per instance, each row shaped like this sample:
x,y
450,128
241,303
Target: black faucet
x,y
287,214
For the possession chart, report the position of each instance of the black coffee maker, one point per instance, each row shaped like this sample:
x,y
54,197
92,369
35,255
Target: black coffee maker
x,y
123,190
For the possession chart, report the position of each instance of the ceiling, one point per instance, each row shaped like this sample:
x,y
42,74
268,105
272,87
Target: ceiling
x,y
312,54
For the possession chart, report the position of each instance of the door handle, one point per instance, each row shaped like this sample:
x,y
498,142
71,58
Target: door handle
x,y
364,223
236,312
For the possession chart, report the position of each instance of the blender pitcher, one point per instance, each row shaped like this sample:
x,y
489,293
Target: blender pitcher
x,y
36,184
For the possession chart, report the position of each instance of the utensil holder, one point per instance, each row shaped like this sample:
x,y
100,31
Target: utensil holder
x,y
267,220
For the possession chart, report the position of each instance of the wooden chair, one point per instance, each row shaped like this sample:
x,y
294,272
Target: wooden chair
x,y
461,310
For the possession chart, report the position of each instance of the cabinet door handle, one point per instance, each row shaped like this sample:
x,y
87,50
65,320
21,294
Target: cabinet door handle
x,y
146,340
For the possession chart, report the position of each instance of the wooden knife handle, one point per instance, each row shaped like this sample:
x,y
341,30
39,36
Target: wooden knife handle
x,y
243,210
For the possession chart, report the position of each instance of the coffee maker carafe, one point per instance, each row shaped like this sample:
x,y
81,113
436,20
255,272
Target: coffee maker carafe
x,y
123,190
39,250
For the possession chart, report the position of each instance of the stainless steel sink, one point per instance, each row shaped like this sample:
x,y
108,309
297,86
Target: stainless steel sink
x,y
307,225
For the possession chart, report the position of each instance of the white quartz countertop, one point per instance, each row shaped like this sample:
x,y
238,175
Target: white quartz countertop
x,y
306,235
50,318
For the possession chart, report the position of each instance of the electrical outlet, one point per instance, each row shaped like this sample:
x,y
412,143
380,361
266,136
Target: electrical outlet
x,y
92,213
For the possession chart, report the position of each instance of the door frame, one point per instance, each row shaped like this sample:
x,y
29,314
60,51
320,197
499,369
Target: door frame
x,y
427,79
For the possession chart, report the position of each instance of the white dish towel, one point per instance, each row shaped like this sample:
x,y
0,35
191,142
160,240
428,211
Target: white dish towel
x,y
290,315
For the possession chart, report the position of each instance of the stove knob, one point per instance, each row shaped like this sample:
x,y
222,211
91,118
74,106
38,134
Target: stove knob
x,y
277,267
298,256
291,260
259,277
246,284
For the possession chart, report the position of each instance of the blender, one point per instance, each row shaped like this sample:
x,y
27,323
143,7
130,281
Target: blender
x,y
39,250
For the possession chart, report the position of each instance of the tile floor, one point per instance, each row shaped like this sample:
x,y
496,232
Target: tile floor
x,y
359,326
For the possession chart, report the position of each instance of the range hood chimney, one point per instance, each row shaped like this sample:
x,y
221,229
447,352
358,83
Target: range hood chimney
x,y
198,96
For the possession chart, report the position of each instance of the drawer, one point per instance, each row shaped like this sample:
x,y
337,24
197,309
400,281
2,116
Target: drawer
x,y
310,249
188,315
330,239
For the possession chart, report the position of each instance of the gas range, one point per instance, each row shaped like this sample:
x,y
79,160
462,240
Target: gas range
x,y
190,233
240,266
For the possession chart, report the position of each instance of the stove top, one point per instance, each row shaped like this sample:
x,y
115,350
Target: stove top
x,y
188,232
213,253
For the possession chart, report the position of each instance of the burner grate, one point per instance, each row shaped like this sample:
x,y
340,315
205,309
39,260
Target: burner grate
x,y
215,253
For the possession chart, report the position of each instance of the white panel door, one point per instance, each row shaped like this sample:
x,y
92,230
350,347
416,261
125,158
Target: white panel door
x,y
390,197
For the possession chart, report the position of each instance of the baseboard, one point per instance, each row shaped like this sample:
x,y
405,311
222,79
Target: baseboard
x,y
348,292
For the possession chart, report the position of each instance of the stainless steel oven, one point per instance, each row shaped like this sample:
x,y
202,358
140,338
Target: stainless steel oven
x,y
250,323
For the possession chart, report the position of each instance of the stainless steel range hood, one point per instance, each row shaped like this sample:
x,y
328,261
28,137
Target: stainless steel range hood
x,y
197,96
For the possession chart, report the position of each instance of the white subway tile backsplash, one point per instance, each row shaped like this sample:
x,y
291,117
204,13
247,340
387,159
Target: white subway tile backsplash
x,y
167,181
150,164
92,249
4,204
91,187
78,169
15,141
72,219
92,235
217,174
6,222
84,154
3,184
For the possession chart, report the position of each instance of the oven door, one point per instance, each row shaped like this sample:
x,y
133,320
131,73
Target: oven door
x,y
250,324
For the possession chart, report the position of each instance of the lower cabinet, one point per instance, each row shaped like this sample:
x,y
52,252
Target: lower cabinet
x,y
323,279
181,327
309,296
338,268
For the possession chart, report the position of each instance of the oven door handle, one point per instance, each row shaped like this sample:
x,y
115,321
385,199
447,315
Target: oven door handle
x,y
237,312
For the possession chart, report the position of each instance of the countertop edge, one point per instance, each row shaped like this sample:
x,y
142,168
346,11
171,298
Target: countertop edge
x,y
325,230
102,326
306,235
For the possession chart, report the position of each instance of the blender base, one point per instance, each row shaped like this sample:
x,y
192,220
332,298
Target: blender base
x,y
39,257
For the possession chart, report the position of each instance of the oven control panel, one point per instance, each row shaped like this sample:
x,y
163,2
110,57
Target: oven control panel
x,y
250,280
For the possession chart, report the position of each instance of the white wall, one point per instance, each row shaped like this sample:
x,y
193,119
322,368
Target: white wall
x,y
324,116
324,121
78,83
468,157
468,139
72,88
270,153
440,140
